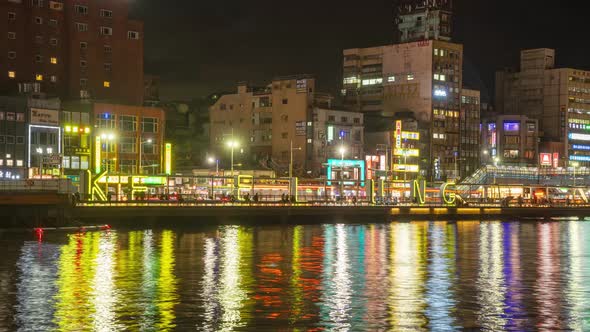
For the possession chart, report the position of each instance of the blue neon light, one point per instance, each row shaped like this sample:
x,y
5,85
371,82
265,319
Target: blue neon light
x,y
579,158
581,147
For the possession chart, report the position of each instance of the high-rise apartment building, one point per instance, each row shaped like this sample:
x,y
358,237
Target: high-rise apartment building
x,y
424,20
423,78
72,49
470,133
273,122
558,97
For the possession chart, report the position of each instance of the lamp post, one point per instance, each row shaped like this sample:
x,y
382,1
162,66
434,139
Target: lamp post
x,y
40,152
212,160
108,138
232,144
291,158
342,150
148,141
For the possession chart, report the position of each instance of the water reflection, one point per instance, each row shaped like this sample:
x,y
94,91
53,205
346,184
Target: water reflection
x,y
490,282
336,308
399,276
407,277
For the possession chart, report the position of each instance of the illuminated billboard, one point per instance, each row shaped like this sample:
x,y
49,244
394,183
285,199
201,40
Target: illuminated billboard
x,y
356,166
407,152
406,168
168,159
579,137
545,159
412,135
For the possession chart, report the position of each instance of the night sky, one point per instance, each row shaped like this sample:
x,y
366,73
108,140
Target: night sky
x,y
200,47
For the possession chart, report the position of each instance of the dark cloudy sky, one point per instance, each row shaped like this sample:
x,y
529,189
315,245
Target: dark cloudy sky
x,y
202,46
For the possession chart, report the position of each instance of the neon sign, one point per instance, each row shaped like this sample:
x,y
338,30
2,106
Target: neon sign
x,y
407,152
579,137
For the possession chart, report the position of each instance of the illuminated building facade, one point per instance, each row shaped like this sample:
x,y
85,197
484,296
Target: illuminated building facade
x,y
131,138
424,78
424,19
558,97
468,159
286,116
510,140
13,133
75,50
44,136
77,130
332,130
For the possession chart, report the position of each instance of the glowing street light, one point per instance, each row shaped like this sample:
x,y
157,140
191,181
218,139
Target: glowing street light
x,y
148,141
232,144
211,161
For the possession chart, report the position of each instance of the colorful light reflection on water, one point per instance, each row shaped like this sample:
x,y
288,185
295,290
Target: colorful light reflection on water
x,y
398,276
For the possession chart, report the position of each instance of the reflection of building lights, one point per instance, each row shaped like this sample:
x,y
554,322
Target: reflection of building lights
x,y
491,279
104,299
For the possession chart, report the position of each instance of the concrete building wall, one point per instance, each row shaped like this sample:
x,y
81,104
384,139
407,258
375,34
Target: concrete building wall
x,y
73,49
512,139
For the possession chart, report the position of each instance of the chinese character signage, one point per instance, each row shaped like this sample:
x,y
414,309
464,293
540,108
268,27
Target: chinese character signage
x,y
545,159
398,134
44,117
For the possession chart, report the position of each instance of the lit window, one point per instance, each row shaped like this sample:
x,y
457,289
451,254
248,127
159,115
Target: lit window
x,y
56,5
442,77
436,77
373,81
106,84
53,78
410,77
436,51
54,60
39,77
442,52
11,74
9,162
309,140
391,79
435,135
351,80
19,163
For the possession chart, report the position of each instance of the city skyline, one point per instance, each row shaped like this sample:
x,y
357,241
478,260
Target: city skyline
x,y
220,44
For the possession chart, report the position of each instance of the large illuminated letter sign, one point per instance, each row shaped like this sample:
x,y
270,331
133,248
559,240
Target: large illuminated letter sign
x,y
447,193
419,191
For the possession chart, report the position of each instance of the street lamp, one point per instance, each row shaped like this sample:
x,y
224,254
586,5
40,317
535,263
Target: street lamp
x,y
212,160
232,145
342,150
40,152
148,141
291,159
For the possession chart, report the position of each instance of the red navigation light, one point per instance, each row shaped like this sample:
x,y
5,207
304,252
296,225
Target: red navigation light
x,y
39,234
